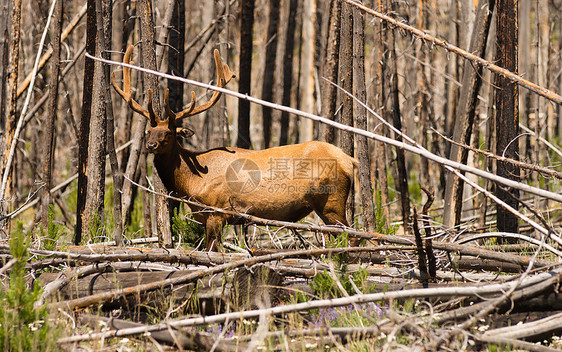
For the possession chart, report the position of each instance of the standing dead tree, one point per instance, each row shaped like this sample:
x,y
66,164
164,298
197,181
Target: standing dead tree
x,y
269,68
347,140
507,119
148,47
50,132
466,109
363,154
94,206
389,89
9,128
330,74
246,35
288,69
85,117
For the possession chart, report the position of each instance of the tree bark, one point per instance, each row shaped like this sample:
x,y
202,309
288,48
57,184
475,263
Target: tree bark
x,y
176,59
134,156
466,108
128,15
13,101
50,128
288,70
245,81
93,212
269,69
209,118
380,149
524,63
393,116
3,89
507,119
149,61
365,185
84,136
543,120
307,69
346,76
105,19
329,91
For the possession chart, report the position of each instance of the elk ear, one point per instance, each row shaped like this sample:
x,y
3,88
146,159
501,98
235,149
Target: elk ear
x,y
184,132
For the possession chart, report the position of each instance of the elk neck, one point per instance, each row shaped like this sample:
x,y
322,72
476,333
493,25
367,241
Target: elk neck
x,y
177,167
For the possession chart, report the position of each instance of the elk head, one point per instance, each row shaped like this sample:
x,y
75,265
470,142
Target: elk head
x,y
162,133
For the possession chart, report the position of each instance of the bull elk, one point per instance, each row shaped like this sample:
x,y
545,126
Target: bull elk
x,y
282,183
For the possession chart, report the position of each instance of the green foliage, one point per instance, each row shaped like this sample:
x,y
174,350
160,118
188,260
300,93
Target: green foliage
x,y
23,327
186,230
338,241
136,228
326,285
108,215
299,297
414,189
381,220
50,238
97,229
409,305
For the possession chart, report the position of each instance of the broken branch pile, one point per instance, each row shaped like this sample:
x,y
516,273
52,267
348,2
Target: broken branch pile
x,y
464,296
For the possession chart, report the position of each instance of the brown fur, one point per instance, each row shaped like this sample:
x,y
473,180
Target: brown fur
x,y
282,193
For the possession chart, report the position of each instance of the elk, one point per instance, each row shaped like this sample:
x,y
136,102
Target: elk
x,y
281,183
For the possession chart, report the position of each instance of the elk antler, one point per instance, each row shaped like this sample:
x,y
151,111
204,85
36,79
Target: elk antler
x,y
126,92
224,75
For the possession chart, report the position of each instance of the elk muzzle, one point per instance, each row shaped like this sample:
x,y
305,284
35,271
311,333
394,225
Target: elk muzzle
x,y
151,146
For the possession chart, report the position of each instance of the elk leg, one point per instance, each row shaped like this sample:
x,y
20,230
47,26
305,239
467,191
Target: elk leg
x,y
213,229
334,218
334,214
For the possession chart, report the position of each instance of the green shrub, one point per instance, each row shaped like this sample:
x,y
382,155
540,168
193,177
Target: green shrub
x,y
186,230
23,327
50,238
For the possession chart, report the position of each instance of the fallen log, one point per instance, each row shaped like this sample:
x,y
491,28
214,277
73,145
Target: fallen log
x,y
536,330
185,339
192,340
206,294
245,288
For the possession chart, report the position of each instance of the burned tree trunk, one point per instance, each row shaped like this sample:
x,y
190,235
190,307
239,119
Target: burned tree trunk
x,y
329,91
104,18
466,108
269,69
49,145
246,30
346,76
507,117
93,213
288,70
149,60
176,59
84,135
361,120
393,116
